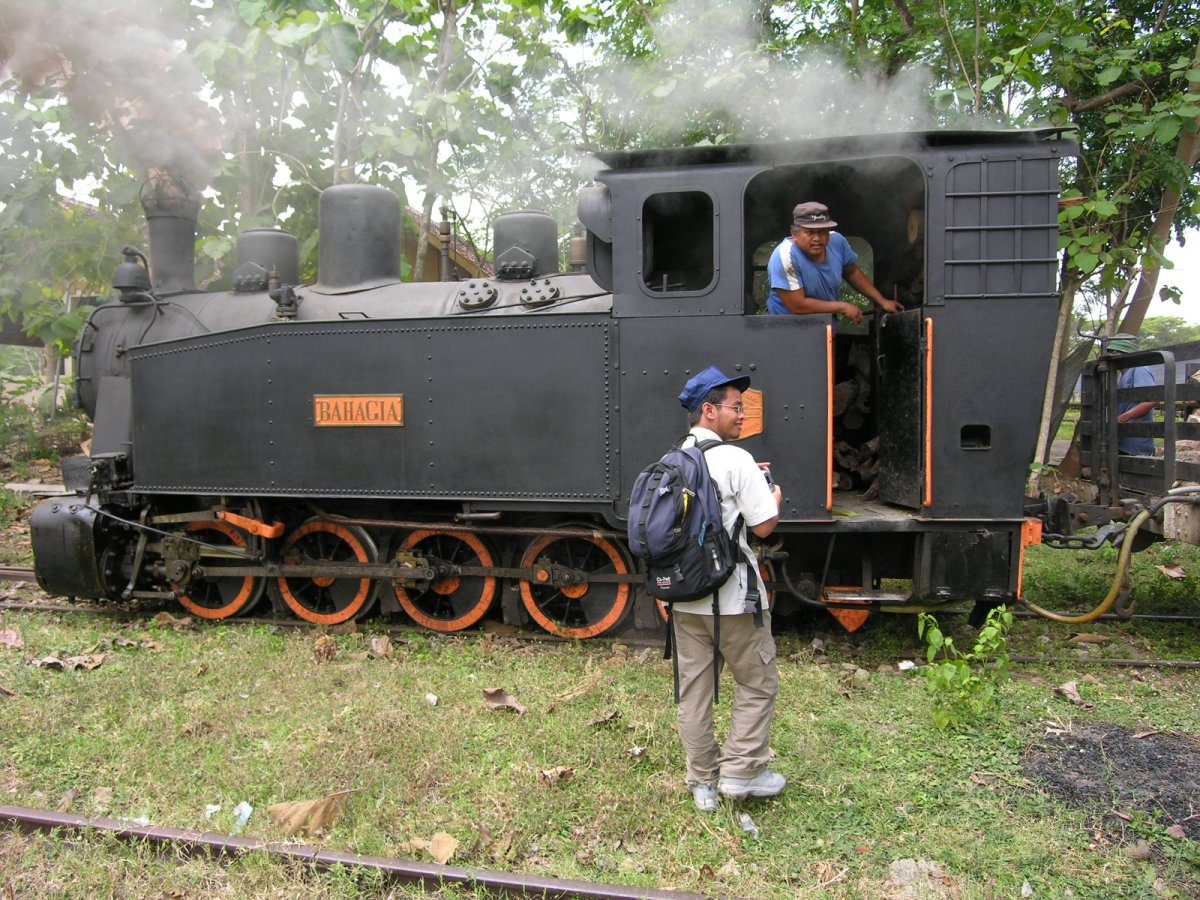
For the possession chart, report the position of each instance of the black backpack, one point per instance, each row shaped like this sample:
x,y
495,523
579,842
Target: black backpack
x,y
675,529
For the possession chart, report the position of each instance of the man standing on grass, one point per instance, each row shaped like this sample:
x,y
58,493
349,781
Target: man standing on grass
x,y
739,769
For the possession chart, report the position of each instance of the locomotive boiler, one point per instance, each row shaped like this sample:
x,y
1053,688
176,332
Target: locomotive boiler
x,y
460,449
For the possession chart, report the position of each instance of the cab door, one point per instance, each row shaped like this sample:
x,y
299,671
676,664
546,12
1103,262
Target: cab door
x,y
902,353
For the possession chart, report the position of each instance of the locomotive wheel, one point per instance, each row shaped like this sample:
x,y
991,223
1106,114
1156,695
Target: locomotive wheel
x,y
326,600
454,602
764,569
578,610
214,597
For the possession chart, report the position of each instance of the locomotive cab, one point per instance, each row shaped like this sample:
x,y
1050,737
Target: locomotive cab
x,y
881,433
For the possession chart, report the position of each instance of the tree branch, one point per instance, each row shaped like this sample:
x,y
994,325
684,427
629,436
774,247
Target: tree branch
x,y
1082,106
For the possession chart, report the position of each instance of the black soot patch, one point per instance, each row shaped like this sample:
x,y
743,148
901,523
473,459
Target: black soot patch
x,y
1107,767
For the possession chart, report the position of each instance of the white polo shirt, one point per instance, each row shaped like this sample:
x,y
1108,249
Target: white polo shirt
x,y
744,490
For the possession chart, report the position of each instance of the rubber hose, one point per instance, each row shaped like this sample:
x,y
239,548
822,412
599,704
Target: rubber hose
x,y
1118,580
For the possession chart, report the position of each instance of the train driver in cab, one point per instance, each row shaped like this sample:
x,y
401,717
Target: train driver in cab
x,y
808,267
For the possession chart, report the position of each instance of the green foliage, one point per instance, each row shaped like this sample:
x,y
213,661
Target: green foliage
x,y
1164,331
963,685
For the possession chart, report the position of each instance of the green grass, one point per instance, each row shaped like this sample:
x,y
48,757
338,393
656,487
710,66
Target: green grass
x,y
1066,428
221,715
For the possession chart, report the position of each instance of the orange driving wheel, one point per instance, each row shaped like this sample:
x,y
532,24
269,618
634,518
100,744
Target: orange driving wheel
x,y
215,596
326,599
453,602
584,610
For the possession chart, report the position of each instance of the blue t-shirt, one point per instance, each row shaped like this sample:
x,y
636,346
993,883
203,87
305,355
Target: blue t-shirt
x,y
1135,378
790,270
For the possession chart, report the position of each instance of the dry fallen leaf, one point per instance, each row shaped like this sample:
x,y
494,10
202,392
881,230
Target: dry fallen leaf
x,y
165,618
441,848
557,775
1174,571
86,661
324,649
381,646
1086,638
1143,734
498,698
1070,691
8,692
10,638
309,815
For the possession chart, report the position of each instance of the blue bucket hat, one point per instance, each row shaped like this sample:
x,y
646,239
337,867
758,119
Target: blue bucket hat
x,y
698,386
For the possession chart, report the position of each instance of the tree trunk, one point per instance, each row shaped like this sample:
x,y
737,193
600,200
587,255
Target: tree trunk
x,y
446,43
1049,402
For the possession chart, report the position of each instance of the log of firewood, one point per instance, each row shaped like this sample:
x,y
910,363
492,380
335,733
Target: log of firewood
x,y
859,361
853,418
844,393
842,481
845,455
862,401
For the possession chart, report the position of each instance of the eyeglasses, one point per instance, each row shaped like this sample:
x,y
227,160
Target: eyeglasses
x,y
739,409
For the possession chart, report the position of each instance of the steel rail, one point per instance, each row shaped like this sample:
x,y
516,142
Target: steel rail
x,y
429,875
17,573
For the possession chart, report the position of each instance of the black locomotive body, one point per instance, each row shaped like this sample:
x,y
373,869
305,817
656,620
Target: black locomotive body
x,y
460,447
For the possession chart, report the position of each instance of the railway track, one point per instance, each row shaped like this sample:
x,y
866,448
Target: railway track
x,y
635,639
429,875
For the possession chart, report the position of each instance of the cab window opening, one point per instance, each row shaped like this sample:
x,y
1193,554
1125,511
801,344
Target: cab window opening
x,y
678,242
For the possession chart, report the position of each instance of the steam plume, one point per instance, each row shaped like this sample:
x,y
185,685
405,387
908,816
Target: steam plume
x,y
120,72
714,73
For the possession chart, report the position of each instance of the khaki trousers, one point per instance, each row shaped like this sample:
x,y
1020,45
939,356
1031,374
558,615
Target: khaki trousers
x,y
750,654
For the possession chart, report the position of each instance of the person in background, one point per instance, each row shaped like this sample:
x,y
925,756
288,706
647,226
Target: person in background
x,y
739,768
1139,411
808,267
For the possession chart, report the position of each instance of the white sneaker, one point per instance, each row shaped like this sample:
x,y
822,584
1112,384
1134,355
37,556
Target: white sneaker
x,y
705,797
765,784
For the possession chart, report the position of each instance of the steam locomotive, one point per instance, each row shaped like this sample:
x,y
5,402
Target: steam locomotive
x,y
459,449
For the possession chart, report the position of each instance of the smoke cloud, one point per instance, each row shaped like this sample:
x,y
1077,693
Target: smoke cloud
x,y
713,74
121,72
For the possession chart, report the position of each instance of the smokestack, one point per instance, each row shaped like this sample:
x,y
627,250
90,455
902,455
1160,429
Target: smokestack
x,y
171,208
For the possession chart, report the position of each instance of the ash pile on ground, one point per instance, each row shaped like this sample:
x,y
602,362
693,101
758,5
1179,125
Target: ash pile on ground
x,y
1120,771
